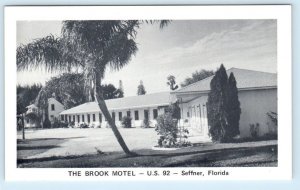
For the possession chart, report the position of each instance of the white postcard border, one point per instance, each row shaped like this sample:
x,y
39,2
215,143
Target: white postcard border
x,y
280,12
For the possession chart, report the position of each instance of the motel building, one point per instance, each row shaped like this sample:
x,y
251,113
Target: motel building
x,y
137,107
257,95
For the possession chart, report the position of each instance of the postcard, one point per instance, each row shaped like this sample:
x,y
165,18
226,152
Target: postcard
x,y
148,93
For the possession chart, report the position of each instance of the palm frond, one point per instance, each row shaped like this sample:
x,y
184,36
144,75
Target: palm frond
x,y
44,52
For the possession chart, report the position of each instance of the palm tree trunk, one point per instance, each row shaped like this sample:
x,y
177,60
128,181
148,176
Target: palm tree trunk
x,y
101,103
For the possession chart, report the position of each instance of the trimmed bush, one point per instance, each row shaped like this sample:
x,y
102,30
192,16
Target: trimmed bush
x,y
83,126
59,124
126,122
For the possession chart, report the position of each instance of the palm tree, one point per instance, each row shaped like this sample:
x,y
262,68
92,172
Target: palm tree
x,y
92,46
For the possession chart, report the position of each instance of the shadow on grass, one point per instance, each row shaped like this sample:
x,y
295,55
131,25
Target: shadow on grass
x,y
36,147
45,139
149,158
31,147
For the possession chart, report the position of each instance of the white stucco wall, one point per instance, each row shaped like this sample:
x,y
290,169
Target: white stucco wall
x,y
58,107
254,106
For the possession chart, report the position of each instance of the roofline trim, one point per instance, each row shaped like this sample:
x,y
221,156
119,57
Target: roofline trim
x,y
112,109
239,89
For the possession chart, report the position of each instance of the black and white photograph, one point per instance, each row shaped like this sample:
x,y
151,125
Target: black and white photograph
x,y
147,93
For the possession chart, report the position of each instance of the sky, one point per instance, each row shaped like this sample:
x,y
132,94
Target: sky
x,y
179,49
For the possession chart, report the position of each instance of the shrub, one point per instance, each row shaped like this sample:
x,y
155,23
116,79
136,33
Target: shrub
x,y
59,124
254,130
146,123
126,122
71,124
166,128
83,125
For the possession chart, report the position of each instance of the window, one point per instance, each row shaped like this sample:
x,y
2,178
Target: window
x,y
88,118
69,118
128,114
62,117
52,107
94,117
100,117
113,115
82,118
74,118
120,116
136,115
187,114
155,114
78,118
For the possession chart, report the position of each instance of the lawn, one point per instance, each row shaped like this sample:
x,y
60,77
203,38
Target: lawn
x,y
98,148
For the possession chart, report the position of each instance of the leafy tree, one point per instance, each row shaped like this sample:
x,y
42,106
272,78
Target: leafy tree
x,y
216,109
171,82
197,76
68,89
233,108
26,96
88,45
111,92
141,89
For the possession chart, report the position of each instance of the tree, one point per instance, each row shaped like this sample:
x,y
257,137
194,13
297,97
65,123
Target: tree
x,y
68,89
111,92
233,108
171,82
141,89
41,102
197,76
26,96
121,89
88,45
216,108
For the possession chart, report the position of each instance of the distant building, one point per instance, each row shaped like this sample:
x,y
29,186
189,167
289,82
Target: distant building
x,y
54,108
33,113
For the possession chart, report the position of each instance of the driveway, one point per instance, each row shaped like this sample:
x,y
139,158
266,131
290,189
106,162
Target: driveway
x,y
86,141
